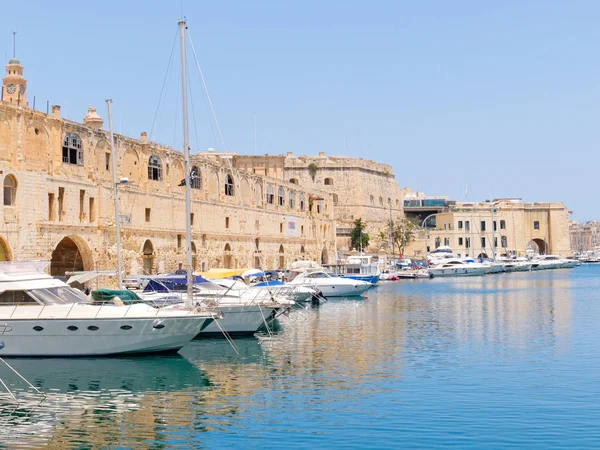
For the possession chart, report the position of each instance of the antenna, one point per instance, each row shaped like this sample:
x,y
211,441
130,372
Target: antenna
x,y
14,44
254,134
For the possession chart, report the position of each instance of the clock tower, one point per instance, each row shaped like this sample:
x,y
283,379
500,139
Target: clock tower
x,y
14,86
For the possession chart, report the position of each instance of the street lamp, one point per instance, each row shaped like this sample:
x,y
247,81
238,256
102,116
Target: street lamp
x,y
424,226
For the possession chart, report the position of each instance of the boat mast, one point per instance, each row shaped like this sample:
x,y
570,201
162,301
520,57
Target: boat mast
x,y
186,154
113,156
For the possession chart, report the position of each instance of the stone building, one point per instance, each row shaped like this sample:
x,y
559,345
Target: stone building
x,y
58,200
584,236
360,188
501,226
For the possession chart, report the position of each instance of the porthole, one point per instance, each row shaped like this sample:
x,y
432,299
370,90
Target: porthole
x,y
126,327
72,328
158,326
93,328
38,328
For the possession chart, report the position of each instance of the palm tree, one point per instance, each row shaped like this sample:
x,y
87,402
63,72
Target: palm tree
x,y
403,232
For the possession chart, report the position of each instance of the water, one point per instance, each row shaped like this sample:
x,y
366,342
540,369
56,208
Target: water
x,y
498,361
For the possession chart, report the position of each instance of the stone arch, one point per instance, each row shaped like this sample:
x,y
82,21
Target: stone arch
x,y
328,182
229,186
245,191
148,257
281,259
324,256
5,252
212,184
131,165
100,151
10,190
6,145
537,246
227,257
36,152
176,173
71,254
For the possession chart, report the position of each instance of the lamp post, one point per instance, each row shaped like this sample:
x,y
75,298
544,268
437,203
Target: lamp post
x,y
424,226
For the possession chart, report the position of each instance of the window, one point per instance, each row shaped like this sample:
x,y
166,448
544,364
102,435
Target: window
x,y
61,203
229,188
504,242
51,215
460,224
328,181
292,198
536,225
438,242
319,207
191,218
195,178
148,214
335,199
92,210
460,241
226,222
301,230
72,151
281,228
10,190
107,161
502,225
468,242
483,225
81,205
495,226
496,242
467,225
280,196
294,180
178,241
482,242
380,201
270,195
372,199
301,200
446,241
154,168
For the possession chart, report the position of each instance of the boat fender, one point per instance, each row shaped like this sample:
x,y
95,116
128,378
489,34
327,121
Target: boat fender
x,y
1,345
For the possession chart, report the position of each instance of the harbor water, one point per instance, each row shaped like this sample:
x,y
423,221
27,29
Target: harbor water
x,y
507,360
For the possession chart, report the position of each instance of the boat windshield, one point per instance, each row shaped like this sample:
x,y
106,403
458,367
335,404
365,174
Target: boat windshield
x,y
318,275
62,295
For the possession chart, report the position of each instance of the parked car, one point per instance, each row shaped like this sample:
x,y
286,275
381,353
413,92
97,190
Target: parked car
x,y
132,282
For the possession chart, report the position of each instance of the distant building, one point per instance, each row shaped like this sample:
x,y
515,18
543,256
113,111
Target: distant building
x,y
585,237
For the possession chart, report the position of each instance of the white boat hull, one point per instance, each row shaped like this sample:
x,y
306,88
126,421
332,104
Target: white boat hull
x,y
96,337
458,271
238,320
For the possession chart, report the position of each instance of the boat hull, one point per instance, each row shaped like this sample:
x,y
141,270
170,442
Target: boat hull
x,y
240,320
458,272
97,337
373,279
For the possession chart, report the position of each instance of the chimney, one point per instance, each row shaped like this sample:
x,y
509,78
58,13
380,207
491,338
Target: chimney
x,y
144,137
56,111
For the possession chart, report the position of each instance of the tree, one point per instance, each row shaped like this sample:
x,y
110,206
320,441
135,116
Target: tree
x,y
359,240
403,232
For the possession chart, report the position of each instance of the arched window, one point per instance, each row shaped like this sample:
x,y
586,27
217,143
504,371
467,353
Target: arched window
x,y
504,242
380,201
154,168
301,200
335,199
536,225
195,178
294,180
270,195
292,199
280,196
229,190
328,181
502,225
10,190
72,151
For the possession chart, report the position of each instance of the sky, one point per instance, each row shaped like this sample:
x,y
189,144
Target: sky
x,y
465,99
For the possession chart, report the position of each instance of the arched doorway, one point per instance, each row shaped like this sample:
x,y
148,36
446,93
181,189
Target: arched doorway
x,y
537,246
227,257
281,258
148,257
324,256
5,254
70,255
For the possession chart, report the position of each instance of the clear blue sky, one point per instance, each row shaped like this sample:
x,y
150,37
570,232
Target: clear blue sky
x,y
504,96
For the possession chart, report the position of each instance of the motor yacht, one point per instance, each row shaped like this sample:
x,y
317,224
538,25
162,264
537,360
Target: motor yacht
x,y
543,262
458,268
328,285
43,316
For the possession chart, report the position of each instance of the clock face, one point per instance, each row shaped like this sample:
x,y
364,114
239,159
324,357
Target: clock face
x,y
22,89
11,88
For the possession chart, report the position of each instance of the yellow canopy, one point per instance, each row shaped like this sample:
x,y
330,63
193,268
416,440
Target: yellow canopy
x,y
215,274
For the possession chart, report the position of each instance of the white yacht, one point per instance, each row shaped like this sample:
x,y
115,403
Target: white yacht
x,y
458,268
43,316
328,285
542,262
441,254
